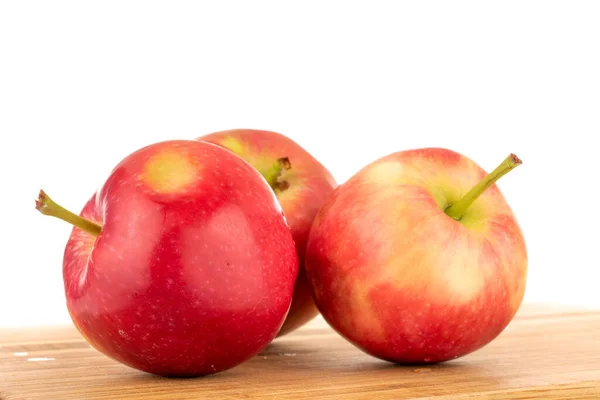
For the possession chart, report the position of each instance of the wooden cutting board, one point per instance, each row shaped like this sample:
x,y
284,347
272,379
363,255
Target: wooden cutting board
x,y
545,353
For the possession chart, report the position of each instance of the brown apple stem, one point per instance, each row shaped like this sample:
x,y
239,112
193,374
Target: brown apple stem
x,y
458,209
47,206
275,176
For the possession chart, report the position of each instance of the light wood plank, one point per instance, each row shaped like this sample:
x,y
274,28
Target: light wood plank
x,y
546,352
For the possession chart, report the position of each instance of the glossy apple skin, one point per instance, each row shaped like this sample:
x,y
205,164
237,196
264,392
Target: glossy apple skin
x,y
400,279
310,185
194,269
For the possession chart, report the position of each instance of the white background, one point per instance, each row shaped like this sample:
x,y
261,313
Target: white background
x,y
83,84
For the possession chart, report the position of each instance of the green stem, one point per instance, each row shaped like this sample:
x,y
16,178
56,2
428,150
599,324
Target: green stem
x,y
458,209
47,206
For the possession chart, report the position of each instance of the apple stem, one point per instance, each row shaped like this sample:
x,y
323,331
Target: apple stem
x,y
275,177
458,209
47,206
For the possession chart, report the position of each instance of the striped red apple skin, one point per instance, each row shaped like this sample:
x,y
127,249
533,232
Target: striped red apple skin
x,y
398,277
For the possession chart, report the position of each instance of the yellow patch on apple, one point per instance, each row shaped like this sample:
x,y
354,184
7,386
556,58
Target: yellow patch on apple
x,y
363,313
232,144
169,172
385,173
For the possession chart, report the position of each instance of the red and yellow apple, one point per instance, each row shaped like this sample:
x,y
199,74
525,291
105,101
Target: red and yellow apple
x,y
182,264
301,184
418,258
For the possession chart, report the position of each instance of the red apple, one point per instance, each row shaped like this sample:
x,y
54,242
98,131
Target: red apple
x,y
410,265
182,264
301,183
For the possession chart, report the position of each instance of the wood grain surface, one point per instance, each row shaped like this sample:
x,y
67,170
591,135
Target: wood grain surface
x,y
545,353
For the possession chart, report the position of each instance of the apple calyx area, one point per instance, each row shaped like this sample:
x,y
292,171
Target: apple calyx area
x,y
276,176
47,206
458,209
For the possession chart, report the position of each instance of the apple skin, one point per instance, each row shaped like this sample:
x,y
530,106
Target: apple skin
x,y
310,186
193,271
403,281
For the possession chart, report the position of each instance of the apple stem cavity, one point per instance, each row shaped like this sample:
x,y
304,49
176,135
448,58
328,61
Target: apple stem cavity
x,y
458,209
47,206
276,175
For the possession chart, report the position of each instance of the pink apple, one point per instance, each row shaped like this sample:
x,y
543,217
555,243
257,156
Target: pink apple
x,y
418,258
182,264
301,183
